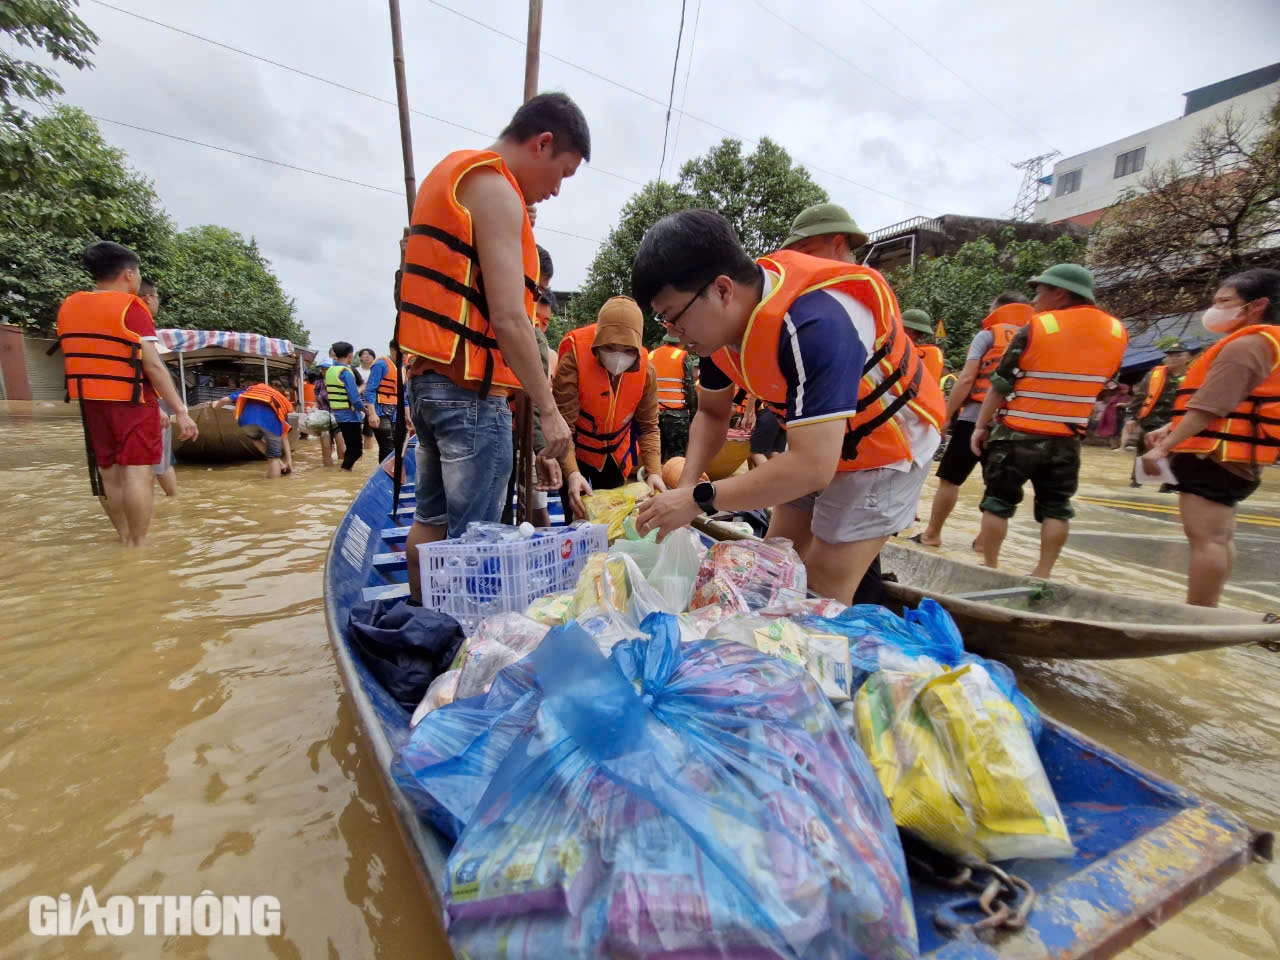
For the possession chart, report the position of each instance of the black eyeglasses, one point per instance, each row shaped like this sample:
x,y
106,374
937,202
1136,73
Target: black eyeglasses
x,y
676,319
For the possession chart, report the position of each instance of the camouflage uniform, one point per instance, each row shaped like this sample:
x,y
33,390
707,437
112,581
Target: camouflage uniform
x,y
673,425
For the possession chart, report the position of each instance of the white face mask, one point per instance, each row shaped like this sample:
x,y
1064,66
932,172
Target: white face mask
x,y
616,361
1221,319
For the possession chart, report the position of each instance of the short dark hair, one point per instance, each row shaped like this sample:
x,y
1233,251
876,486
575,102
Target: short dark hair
x,y
106,260
545,267
147,286
342,349
1256,284
548,298
552,113
370,351
687,250
1007,297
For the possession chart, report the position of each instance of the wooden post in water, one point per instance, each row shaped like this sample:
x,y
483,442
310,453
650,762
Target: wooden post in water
x,y
524,407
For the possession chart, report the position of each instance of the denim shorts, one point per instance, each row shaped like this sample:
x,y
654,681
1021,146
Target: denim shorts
x,y
464,453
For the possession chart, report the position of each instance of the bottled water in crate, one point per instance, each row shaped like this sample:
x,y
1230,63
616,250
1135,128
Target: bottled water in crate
x,y
472,580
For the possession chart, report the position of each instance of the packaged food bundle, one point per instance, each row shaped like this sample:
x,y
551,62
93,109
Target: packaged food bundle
x,y
880,639
500,641
958,765
629,819
612,507
613,582
443,691
805,607
748,575
824,655
446,764
552,610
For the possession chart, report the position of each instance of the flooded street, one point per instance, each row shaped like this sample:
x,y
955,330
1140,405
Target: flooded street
x,y
171,720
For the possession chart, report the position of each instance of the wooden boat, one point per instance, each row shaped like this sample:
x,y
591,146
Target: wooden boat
x,y
238,358
1145,848
1003,615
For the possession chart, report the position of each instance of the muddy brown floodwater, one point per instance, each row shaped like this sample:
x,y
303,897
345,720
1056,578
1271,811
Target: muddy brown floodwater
x,y
171,720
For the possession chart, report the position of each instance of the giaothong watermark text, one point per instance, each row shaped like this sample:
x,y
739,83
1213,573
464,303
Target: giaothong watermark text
x,y
205,915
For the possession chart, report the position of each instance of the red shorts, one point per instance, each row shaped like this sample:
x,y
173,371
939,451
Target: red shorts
x,y
124,434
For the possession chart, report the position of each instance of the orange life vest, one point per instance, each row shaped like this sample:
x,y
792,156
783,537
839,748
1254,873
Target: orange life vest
x,y
269,396
931,357
1070,356
1155,387
668,368
603,427
442,299
1251,432
387,386
894,384
1003,322
578,335
102,357
309,393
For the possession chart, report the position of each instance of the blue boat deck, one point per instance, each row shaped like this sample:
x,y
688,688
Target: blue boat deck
x,y
1144,847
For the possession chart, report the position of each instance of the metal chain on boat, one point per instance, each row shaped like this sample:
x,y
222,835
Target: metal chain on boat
x,y
1004,899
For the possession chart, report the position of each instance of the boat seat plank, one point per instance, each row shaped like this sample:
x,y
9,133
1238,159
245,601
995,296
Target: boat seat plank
x,y
395,534
386,591
389,562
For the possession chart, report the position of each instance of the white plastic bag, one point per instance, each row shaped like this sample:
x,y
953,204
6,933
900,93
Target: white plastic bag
x,y
673,576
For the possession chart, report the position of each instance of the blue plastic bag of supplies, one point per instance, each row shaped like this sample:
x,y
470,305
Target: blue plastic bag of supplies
x,y
696,800
927,631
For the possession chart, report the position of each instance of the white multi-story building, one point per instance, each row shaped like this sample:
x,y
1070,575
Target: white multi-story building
x,y
1085,185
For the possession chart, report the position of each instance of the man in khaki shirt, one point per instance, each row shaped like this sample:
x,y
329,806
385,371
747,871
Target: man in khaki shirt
x,y
608,394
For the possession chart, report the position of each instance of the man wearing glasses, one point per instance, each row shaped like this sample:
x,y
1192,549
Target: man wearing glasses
x,y
822,339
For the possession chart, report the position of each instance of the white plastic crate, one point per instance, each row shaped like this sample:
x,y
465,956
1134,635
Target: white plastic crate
x,y
471,581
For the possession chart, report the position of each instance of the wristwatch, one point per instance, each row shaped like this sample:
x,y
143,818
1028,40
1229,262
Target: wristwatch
x,y
704,495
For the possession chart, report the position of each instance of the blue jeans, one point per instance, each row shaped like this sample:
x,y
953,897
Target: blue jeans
x,y
464,453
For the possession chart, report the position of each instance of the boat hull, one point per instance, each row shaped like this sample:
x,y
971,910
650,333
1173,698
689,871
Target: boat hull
x,y
1145,847
1058,620
220,441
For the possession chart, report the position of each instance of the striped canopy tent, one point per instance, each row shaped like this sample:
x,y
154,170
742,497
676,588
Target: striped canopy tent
x,y
195,346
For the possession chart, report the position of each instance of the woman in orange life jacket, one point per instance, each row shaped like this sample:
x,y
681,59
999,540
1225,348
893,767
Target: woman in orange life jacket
x,y
608,394
1226,425
963,404
789,328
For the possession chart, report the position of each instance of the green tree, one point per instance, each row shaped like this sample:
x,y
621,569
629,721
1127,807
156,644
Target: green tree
x,y
69,189
48,25
958,288
1163,249
215,279
759,193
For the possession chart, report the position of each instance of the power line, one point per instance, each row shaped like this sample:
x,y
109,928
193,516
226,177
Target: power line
x,y
325,80
876,80
688,72
671,98
684,113
929,53
295,167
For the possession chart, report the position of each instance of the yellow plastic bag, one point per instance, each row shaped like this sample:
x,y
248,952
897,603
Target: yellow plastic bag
x,y
602,584
958,765
612,507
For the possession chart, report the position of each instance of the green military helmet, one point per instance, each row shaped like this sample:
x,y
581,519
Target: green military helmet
x,y
824,218
1067,276
917,320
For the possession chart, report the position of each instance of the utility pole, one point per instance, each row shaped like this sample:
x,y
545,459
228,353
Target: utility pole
x,y
524,407
400,433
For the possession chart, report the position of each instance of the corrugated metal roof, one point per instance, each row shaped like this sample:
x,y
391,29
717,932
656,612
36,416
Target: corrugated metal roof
x,y
1204,97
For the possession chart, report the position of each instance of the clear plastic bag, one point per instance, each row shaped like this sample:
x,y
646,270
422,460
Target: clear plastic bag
x,y
957,764
824,655
749,575
676,570
628,819
442,692
500,641
613,582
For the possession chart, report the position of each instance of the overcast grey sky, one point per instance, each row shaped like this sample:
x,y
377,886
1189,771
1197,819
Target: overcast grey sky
x,y
878,111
